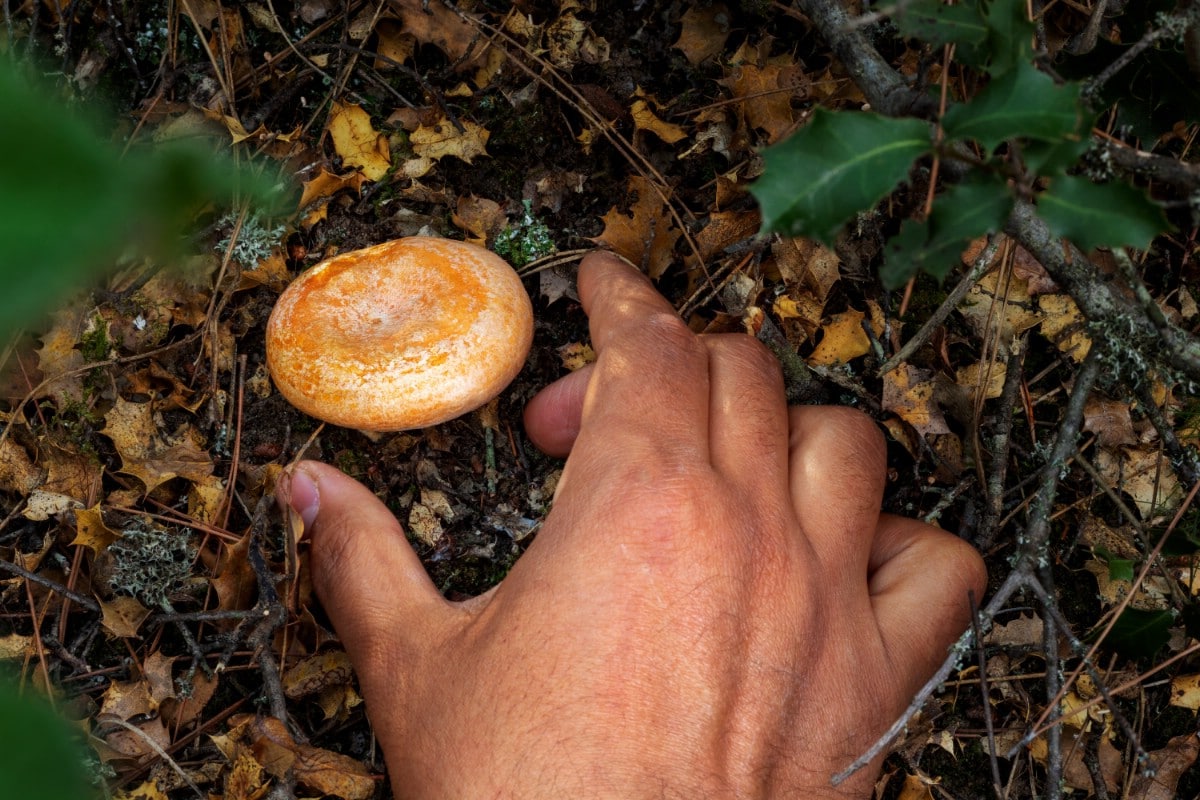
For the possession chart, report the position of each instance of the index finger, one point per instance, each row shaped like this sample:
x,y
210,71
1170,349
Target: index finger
x,y
648,392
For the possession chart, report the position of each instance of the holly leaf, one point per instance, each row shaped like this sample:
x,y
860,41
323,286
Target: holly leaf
x,y
1053,158
1021,103
1140,634
1100,215
939,24
1010,36
847,162
978,205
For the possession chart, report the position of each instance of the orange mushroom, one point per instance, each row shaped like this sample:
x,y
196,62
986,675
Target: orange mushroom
x,y
406,334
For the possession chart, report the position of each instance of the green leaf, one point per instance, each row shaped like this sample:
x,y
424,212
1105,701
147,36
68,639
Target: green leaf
x,y
838,165
1054,158
978,205
1010,36
38,755
1022,103
1100,215
70,204
1140,634
938,24
1119,569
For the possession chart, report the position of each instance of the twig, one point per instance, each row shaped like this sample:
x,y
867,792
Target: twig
x,y
985,536
54,586
984,694
109,719
952,301
1183,457
1169,25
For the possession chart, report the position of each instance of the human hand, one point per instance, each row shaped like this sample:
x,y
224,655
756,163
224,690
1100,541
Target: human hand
x,y
715,606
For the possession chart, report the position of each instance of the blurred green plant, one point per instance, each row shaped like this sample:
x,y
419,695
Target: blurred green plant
x,y
39,757
524,241
1028,129
71,203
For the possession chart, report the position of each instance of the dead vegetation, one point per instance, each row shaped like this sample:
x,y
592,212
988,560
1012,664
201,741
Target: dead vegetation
x,y
1042,403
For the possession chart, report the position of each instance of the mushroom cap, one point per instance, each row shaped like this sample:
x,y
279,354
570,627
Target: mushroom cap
x,y
405,334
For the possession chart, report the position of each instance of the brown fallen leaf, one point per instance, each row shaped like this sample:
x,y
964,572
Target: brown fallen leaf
x,y
1185,691
59,360
122,616
442,139
1171,762
480,218
703,31
999,311
646,235
90,530
327,184
146,453
323,770
1064,325
908,393
317,672
645,119
766,95
14,646
1110,421
1145,474
130,702
17,471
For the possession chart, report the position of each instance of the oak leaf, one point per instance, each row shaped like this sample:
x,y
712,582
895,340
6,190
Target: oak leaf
x,y
122,616
443,139
357,141
703,31
908,393
147,454
318,672
843,341
647,234
326,184
90,530
766,96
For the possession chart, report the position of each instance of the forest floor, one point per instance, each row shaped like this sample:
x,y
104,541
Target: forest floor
x,y
151,579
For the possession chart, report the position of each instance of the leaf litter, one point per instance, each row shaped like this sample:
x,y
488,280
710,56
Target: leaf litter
x,y
136,405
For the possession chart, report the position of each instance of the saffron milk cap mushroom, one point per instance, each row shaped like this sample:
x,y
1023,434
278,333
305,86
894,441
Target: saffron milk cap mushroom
x,y
402,335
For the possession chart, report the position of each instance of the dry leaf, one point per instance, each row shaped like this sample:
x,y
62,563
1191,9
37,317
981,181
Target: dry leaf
x,y
129,701
576,355
234,580
327,184
148,455
90,530
908,393
59,360
647,235
703,31
357,141
442,139
915,789
122,616
1064,325
972,376
14,646
325,771
806,263
844,340
1020,632
644,119
1185,691
146,790
480,218
1171,762
766,96
17,471
1110,421
440,26
1143,473
998,313
318,672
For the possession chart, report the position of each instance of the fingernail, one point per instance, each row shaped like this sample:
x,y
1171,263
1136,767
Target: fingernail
x,y
304,498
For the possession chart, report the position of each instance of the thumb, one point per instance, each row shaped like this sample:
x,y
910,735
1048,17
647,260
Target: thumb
x,y
921,580
369,580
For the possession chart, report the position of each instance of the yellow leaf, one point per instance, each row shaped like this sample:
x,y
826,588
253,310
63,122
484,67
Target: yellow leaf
x,y
1063,324
317,672
326,184
644,119
1144,474
90,530
1185,691
908,393
915,789
844,340
576,355
146,790
14,646
123,616
357,142
17,472
989,376
443,139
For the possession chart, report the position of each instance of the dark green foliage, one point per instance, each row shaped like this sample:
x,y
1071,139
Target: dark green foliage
x,y
38,756
1028,126
71,204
